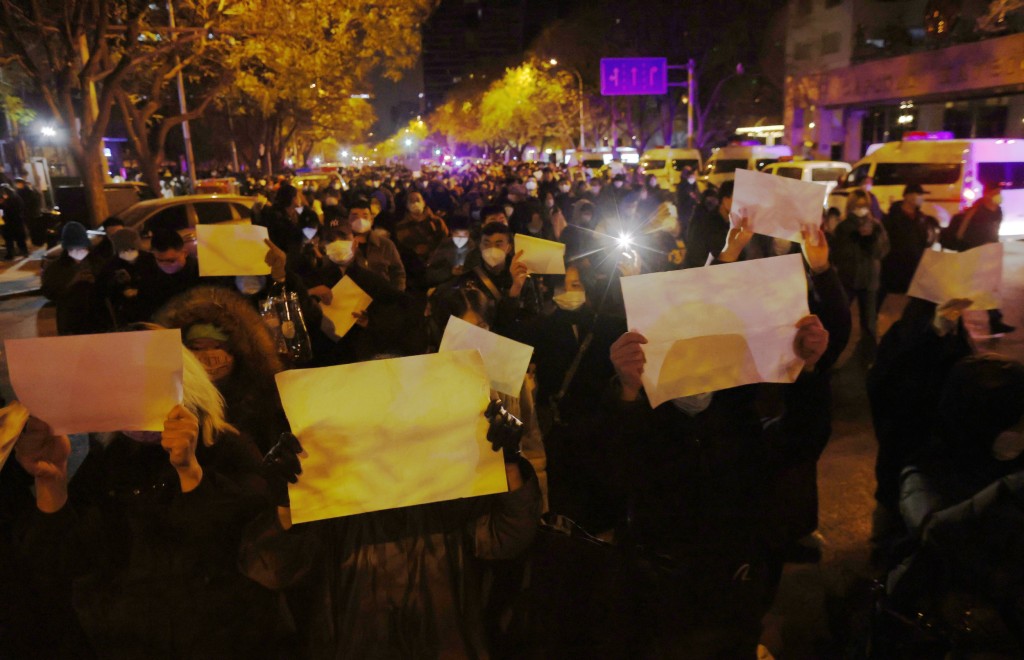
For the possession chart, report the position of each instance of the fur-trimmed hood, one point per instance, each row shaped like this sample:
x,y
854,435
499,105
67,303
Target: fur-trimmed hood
x,y
249,339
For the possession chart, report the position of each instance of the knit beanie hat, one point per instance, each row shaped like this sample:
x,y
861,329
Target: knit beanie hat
x,y
74,236
125,239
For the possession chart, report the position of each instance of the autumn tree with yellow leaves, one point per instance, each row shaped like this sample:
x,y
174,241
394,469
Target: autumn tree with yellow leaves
x,y
288,71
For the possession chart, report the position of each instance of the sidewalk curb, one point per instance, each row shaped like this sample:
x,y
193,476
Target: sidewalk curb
x,y
20,294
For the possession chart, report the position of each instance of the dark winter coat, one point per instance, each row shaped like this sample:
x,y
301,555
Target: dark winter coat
x,y
446,257
909,237
697,487
15,216
154,570
156,287
119,284
973,546
982,228
859,258
402,583
706,236
904,385
72,286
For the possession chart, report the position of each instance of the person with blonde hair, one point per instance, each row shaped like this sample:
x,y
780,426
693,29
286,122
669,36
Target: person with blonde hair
x,y
147,534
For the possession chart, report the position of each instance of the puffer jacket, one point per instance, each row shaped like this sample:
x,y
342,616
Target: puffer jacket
x,y
974,546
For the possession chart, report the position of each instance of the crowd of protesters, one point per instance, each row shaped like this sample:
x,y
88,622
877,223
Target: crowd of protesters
x,y
664,530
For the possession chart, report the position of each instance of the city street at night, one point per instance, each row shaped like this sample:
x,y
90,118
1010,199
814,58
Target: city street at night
x,y
512,329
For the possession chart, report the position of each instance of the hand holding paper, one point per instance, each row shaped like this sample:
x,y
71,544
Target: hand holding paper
x,y
778,206
540,256
124,381
348,303
975,275
232,249
506,361
42,453
714,328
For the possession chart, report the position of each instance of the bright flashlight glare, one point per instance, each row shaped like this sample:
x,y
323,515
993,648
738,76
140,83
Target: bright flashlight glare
x,y
625,241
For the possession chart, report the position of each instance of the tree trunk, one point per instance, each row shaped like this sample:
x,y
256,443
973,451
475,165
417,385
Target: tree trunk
x,y
90,168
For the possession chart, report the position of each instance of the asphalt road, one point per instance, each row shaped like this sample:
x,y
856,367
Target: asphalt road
x,y
820,611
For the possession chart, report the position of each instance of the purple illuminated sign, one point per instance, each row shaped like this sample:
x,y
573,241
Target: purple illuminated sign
x,y
624,76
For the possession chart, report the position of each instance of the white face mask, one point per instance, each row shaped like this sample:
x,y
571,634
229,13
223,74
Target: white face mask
x,y
299,209
460,241
250,285
564,187
693,405
509,210
692,180
417,207
340,252
361,226
861,212
309,232
570,301
531,185
129,255
78,253
618,184
493,256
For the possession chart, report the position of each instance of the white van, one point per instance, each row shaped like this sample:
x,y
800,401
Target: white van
x,y
665,164
828,172
723,163
952,173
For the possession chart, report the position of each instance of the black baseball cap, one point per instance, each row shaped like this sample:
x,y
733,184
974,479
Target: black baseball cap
x,y
913,189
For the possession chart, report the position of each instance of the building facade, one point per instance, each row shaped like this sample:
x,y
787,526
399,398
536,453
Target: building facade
x,y
860,72
462,35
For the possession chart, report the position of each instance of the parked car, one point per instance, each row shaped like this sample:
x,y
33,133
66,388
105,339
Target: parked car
x,y
181,214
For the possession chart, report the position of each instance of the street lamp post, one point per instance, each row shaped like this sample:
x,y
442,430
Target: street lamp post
x,y
579,77
190,158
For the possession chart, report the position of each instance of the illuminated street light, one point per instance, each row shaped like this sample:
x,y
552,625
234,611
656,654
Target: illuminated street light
x,y
344,154
408,142
553,62
811,125
437,152
48,131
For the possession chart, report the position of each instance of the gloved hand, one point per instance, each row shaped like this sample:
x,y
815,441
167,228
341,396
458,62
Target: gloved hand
x,y
281,467
505,432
